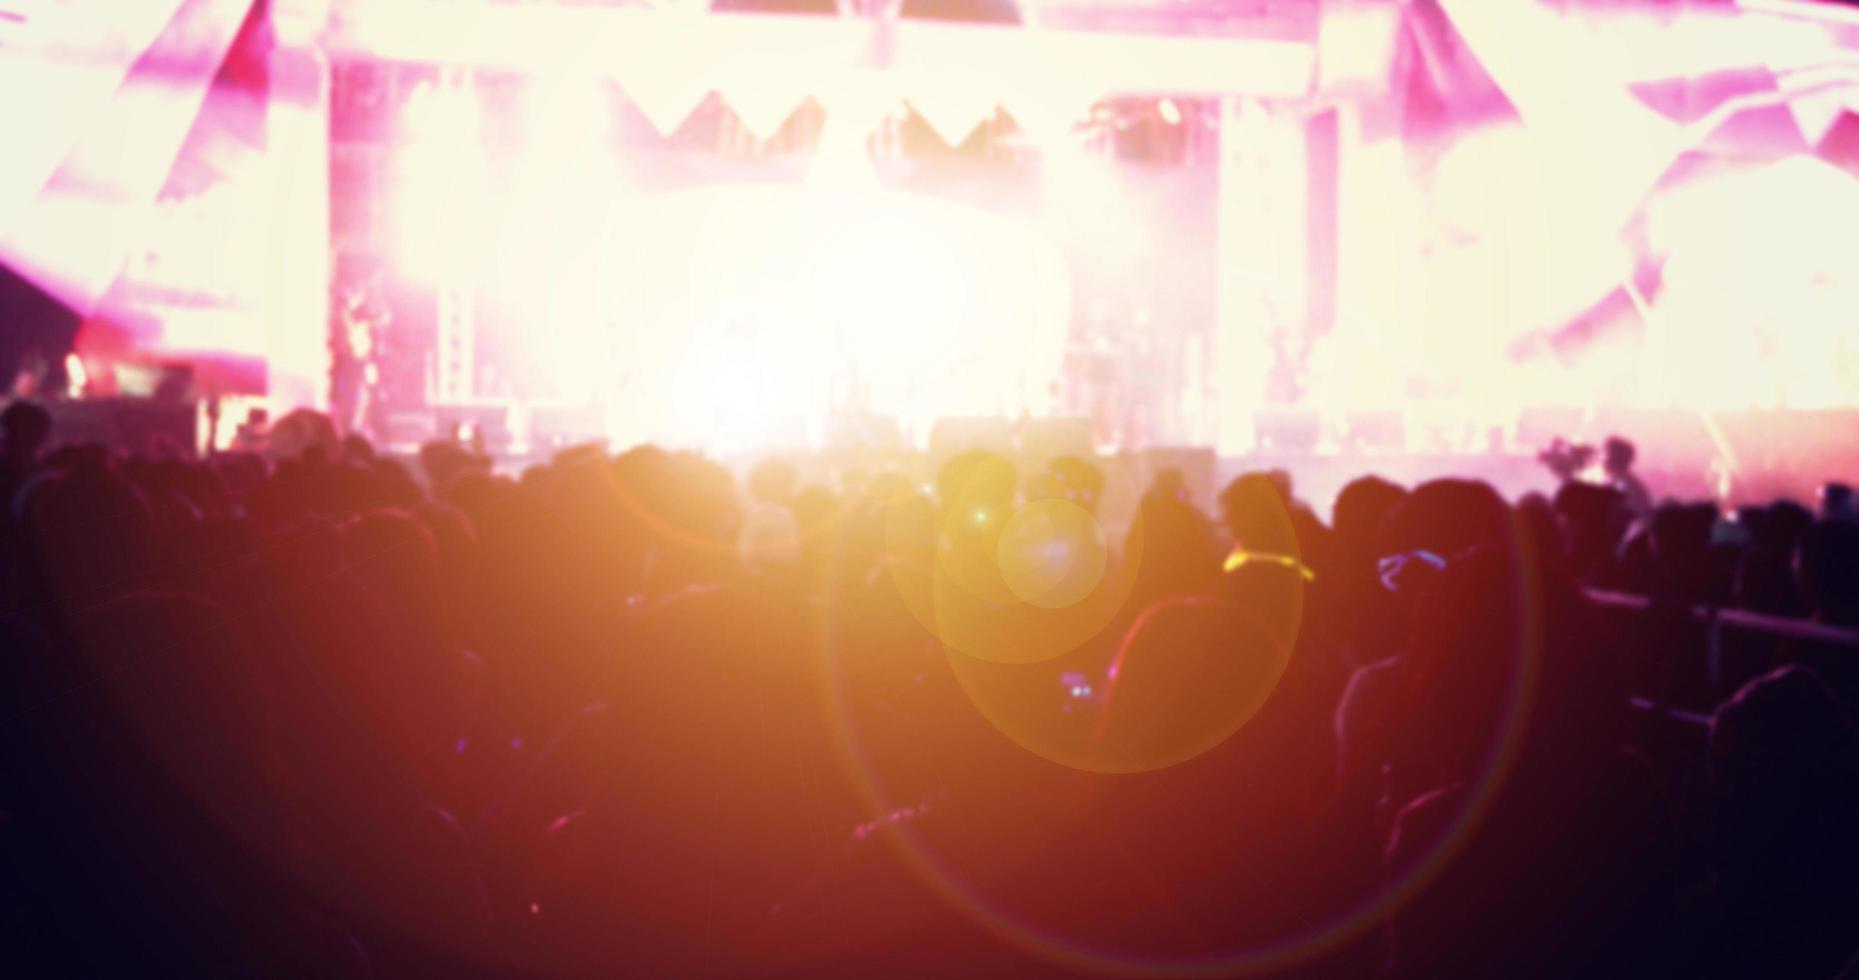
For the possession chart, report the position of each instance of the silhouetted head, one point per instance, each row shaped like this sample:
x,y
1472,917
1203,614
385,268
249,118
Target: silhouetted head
x,y
1169,484
392,556
1783,735
1447,516
1269,594
1682,532
357,448
1281,478
1258,514
1361,508
24,427
91,533
302,432
1617,456
1781,526
689,509
1825,561
1587,506
1836,500
446,461
1078,480
1536,520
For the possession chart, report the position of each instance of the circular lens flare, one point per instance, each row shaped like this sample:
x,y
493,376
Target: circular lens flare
x,y
1052,554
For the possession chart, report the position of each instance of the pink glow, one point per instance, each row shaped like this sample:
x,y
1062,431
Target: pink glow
x,y
928,308
1517,231
75,234
61,67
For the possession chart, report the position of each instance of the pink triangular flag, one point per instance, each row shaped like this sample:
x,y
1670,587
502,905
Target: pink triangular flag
x,y
1817,113
762,107
954,115
666,99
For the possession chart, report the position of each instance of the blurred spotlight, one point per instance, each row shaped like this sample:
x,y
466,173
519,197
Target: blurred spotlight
x,y
76,378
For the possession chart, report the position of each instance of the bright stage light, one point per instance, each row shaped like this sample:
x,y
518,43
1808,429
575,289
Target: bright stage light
x,y
1512,258
740,317
1760,290
439,201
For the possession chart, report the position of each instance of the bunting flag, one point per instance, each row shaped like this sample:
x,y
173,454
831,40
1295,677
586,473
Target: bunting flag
x,y
765,67
667,94
1815,114
667,103
954,114
666,89
763,105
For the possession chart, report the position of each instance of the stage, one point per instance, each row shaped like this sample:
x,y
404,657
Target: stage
x,y
1355,232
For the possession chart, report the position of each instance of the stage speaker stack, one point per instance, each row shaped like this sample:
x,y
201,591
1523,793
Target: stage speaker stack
x,y
471,423
136,425
1197,465
1287,430
407,431
1376,432
1046,439
555,427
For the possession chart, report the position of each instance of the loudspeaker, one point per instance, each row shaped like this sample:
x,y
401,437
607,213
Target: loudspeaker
x,y
410,430
132,424
471,424
1381,431
1294,430
1044,439
1196,464
556,427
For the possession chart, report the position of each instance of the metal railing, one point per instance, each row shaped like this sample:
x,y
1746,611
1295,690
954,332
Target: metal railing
x,y
1719,616
1717,619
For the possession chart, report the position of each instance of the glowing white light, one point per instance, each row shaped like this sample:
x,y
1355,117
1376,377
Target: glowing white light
x,y
439,201
1504,260
788,302
76,375
1759,291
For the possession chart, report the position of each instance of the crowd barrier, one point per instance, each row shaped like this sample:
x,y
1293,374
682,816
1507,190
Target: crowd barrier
x,y
1704,653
